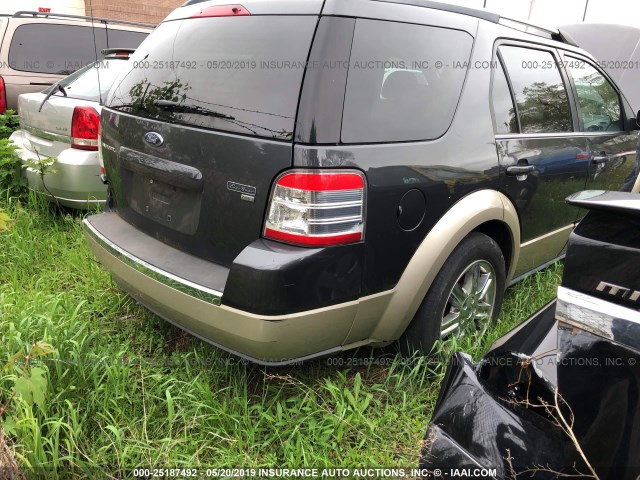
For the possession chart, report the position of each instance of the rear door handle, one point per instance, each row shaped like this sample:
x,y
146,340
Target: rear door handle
x,y
520,170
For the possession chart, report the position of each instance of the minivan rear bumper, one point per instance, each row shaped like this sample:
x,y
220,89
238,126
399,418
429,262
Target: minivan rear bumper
x,y
155,275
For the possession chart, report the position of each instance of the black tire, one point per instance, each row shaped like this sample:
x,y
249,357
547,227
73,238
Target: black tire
x,y
477,254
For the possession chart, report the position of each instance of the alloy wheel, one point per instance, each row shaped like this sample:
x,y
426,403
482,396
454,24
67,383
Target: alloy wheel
x,y
469,308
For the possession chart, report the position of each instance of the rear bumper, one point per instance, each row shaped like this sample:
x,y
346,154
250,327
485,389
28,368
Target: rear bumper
x,y
188,292
74,180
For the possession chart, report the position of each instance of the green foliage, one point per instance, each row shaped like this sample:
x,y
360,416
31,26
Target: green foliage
x,y
12,183
9,122
31,388
41,165
11,180
29,382
4,221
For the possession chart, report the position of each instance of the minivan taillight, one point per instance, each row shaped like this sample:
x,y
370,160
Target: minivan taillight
x,y
3,97
317,208
85,124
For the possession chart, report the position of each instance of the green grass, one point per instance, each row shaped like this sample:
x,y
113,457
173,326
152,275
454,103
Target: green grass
x,y
126,389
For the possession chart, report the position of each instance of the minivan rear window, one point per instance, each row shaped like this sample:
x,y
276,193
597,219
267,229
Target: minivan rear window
x,y
404,81
62,49
236,74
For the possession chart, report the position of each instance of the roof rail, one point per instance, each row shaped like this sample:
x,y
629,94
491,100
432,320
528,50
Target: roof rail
x,y
532,28
538,30
26,13
472,12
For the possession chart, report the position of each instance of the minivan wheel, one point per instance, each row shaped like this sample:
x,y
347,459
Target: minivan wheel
x,y
464,299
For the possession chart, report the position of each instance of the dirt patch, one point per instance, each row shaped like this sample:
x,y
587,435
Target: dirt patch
x,y
9,468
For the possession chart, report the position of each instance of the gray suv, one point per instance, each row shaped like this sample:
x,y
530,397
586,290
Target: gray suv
x,y
289,179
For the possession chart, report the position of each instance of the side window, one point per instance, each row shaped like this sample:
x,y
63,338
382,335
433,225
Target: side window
x,y
404,81
54,48
503,109
543,103
598,101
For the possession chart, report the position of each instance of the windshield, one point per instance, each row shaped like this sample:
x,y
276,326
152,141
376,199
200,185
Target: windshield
x,y
238,74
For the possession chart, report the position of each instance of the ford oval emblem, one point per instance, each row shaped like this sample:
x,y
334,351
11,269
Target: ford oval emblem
x,y
153,138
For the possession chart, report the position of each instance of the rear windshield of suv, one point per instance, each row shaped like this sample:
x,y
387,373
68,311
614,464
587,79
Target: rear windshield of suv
x,y
236,74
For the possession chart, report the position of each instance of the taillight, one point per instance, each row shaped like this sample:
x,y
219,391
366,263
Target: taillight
x,y
317,208
222,11
3,97
85,125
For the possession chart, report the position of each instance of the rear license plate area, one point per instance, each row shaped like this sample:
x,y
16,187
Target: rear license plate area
x,y
168,205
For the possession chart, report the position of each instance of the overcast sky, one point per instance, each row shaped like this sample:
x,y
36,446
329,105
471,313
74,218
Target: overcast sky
x,y
559,12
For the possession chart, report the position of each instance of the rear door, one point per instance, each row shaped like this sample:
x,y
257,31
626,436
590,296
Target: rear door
x,y
601,116
194,133
542,159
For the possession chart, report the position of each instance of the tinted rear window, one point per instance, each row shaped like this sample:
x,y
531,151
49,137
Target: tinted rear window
x,y
57,49
404,81
63,49
240,74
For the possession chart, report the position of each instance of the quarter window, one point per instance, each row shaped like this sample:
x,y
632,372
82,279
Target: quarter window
x,y
597,99
404,81
541,97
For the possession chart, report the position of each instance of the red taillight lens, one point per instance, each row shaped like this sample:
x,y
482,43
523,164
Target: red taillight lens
x,y
85,126
317,208
3,97
222,11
